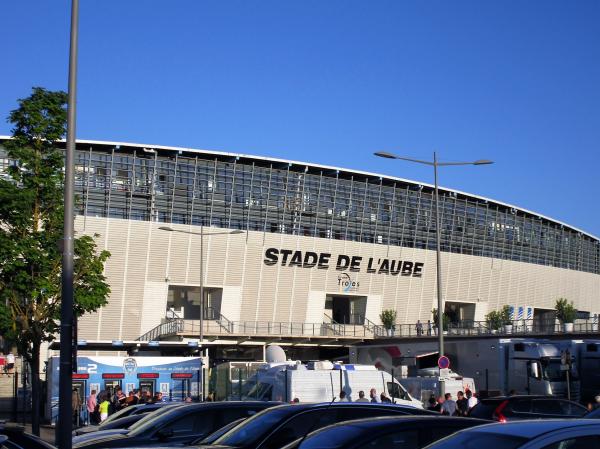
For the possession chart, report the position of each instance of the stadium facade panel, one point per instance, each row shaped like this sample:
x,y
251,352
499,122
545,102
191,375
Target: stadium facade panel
x,y
320,243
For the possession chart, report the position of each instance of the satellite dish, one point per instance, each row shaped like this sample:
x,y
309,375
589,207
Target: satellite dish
x,y
275,354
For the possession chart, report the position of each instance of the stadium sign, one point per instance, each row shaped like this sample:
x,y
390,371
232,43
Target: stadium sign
x,y
343,262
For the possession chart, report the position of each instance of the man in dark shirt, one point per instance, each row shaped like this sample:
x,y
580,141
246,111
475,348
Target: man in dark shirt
x,y
462,404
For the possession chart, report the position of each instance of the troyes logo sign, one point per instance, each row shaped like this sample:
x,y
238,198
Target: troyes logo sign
x,y
323,261
346,283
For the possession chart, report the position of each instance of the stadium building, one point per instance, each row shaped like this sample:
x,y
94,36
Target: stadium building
x,y
323,249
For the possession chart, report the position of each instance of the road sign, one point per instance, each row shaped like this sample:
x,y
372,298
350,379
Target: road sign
x,y
444,362
444,374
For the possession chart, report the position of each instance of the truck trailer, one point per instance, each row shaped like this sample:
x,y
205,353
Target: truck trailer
x,y
499,366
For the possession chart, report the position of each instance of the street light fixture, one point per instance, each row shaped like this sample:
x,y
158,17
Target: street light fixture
x,y
201,234
435,164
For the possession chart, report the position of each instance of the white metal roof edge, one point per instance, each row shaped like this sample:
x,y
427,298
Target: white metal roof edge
x,y
325,167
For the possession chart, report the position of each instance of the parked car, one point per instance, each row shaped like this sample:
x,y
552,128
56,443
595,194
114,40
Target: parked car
x,y
593,414
106,432
510,408
116,420
529,434
398,432
13,436
182,424
276,427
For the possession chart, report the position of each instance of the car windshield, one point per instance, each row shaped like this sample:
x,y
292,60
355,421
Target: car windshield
x,y
477,440
253,429
149,419
332,438
120,414
551,371
218,433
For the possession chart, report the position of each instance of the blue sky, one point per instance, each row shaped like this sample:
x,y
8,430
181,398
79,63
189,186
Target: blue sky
x,y
333,81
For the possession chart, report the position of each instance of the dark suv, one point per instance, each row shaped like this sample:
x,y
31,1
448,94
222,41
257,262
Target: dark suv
x,y
278,426
511,408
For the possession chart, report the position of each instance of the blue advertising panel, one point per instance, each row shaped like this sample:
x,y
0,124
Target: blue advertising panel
x,y
175,377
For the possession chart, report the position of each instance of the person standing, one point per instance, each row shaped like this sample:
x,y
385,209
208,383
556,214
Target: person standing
x,y
384,399
471,399
90,406
429,327
2,363
76,406
361,397
103,409
419,328
10,363
449,405
462,404
343,397
373,395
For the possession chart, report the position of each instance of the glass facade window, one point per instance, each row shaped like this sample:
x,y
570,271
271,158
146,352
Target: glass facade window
x,y
269,196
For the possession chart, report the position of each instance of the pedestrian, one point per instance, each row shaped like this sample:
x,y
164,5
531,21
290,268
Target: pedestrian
x,y
343,397
384,399
419,328
2,364
429,327
361,397
188,399
131,399
157,397
462,404
432,404
472,399
103,408
295,401
373,395
10,363
118,399
449,405
76,406
439,403
90,405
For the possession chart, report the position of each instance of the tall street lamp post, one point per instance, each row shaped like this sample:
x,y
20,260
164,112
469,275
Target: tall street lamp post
x,y
65,412
440,301
201,234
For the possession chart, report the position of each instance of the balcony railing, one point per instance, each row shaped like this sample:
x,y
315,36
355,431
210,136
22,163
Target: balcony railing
x,y
484,328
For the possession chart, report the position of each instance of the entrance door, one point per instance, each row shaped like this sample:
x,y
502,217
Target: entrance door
x,y
147,385
110,386
79,387
348,309
180,389
340,309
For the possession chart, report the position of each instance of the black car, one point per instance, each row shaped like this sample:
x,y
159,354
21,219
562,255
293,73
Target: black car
x,y
510,408
14,437
278,426
117,420
179,425
397,432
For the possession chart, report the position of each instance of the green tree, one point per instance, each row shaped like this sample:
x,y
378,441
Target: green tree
x,y
31,227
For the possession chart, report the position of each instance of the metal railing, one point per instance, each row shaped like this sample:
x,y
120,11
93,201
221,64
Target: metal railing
x,y
329,328
483,328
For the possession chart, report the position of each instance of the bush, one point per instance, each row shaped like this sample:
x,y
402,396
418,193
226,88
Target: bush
x,y
565,310
446,319
505,316
494,319
388,318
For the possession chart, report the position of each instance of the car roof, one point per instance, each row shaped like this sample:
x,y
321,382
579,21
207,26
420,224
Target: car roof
x,y
405,419
533,428
520,396
319,405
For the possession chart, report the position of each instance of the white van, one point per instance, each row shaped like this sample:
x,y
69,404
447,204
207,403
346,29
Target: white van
x,y
322,382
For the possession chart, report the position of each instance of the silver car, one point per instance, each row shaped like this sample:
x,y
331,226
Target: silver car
x,y
534,434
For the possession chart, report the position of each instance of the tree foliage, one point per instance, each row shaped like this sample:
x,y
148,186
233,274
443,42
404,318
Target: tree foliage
x,y
31,231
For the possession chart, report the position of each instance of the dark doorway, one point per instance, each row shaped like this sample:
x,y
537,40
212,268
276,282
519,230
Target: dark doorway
x,y
147,385
347,309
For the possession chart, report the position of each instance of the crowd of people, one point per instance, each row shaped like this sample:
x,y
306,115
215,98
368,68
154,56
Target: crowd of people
x,y
448,406
7,364
99,405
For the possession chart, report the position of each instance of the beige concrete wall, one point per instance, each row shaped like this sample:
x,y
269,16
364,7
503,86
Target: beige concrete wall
x,y
144,257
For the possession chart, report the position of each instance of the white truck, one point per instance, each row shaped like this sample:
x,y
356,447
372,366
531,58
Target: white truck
x,y
585,356
497,365
427,383
322,382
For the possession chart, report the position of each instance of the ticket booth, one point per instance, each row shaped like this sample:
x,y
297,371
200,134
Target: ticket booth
x,y
112,381
147,383
181,386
